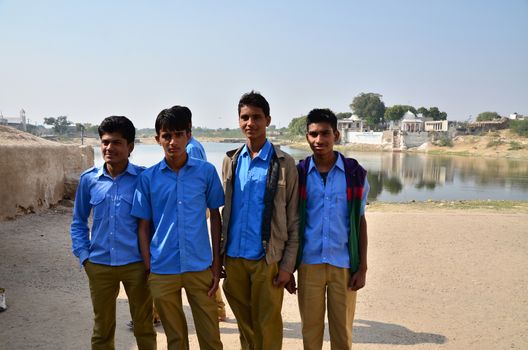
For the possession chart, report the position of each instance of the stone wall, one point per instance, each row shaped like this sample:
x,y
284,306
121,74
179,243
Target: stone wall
x,y
36,176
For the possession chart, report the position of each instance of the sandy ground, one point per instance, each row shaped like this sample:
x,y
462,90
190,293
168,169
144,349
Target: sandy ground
x,y
438,279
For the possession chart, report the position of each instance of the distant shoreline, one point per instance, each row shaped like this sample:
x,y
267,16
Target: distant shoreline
x,y
492,145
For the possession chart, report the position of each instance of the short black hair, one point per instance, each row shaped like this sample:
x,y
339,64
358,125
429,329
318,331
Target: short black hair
x,y
176,118
322,115
254,99
119,124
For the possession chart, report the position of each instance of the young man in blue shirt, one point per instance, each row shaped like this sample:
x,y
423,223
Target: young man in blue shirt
x,y
332,258
196,150
171,201
260,227
111,255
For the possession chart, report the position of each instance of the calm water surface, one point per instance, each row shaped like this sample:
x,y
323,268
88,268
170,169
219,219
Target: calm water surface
x,y
397,177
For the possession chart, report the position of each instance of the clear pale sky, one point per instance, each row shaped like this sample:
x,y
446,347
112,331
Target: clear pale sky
x,y
92,59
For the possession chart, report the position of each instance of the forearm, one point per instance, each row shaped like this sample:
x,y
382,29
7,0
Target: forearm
x,y
144,241
363,243
216,228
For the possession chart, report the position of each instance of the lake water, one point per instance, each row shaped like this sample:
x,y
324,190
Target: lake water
x,y
399,177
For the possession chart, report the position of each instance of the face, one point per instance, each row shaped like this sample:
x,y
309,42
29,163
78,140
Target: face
x,y
173,142
115,149
321,138
253,122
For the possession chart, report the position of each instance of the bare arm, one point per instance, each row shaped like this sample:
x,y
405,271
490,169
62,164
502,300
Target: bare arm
x,y
216,267
357,280
144,242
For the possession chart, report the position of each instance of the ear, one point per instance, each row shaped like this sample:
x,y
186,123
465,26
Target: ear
x,y
268,120
157,139
130,148
337,135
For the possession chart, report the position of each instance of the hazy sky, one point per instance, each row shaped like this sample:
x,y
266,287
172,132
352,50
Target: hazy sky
x,y
92,59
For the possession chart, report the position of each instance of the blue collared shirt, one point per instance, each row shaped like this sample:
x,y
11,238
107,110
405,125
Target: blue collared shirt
x,y
327,217
195,149
245,238
176,205
113,239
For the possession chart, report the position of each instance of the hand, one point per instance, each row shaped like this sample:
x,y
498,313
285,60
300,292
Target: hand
x,y
281,279
215,281
357,280
291,286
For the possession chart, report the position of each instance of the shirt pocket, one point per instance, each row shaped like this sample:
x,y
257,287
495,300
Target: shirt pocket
x,y
98,204
125,204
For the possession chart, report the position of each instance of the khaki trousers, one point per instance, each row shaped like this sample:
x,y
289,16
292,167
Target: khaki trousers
x,y
104,288
166,291
317,283
255,302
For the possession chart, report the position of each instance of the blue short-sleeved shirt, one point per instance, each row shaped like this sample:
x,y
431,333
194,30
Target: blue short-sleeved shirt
x,y
327,217
195,149
245,225
176,204
114,239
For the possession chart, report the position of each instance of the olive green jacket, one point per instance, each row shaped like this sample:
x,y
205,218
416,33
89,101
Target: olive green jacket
x,y
284,234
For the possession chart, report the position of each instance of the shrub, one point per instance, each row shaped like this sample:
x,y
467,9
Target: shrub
x,y
520,127
494,143
515,146
445,142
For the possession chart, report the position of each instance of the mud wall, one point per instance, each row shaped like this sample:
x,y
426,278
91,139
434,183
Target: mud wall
x,y
34,177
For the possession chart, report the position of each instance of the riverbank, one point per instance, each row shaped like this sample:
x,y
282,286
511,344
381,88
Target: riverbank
x,y
442,275
499,144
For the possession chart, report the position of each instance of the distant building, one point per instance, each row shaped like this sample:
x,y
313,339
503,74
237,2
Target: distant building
x,y
354,123
436,125
411,123
16,122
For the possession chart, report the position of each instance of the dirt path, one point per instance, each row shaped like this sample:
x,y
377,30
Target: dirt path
x,y
438,279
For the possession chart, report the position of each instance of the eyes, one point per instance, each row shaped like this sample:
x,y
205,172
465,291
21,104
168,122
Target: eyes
x,y
113,142
254,118
167,136
323,133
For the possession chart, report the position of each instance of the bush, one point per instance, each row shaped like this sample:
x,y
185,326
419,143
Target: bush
x,y
514,146
520,127
494,143
445,142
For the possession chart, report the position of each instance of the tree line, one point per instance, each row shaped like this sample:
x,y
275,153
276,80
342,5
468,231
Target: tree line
x,y
370,108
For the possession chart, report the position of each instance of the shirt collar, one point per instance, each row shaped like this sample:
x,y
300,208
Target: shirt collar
x,y
263,153
338,164
131,169
190,162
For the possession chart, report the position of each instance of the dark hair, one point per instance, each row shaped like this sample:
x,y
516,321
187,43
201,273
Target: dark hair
x,y
322,115
175,118
254,99
119,124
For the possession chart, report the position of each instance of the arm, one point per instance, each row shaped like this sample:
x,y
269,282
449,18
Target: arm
x,y
79,231
144,242
357,280
216,227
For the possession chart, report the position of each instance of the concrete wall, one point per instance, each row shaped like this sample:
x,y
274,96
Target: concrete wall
x,y
34,177
369,138
415,139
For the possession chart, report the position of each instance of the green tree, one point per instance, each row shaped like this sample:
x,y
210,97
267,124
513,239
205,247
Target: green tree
x,y
370,107
486,116
520,127
435,113
297,126
60,124
343,115
423,111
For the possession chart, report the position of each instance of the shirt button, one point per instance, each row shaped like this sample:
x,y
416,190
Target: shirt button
x,y
179,202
